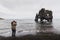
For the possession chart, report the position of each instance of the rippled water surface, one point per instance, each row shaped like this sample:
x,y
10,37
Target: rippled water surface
x,y
29,26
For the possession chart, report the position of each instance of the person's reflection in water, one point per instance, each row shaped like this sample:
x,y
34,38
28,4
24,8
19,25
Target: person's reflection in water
x,y
13,24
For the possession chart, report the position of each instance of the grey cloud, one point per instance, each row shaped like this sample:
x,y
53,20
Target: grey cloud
x,y
18,3
30,7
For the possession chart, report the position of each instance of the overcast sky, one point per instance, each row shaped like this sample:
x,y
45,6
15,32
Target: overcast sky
x,y
27,9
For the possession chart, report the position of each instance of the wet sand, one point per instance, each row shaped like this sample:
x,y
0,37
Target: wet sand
x,y
40,36
37,31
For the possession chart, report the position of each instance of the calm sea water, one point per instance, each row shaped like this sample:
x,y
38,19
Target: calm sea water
x,y
28,26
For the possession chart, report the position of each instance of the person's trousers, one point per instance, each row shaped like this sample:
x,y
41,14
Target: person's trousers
x,y
13,33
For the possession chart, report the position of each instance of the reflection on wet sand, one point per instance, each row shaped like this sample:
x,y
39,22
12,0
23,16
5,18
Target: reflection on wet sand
x,y
44,27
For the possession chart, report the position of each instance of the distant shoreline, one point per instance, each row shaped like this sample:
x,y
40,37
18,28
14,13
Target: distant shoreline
x,y
1,18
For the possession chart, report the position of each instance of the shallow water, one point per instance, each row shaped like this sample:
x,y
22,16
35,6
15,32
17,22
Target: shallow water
x,y
29,26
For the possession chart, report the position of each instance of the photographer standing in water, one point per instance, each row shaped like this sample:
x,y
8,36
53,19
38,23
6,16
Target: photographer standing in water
x,y
13,27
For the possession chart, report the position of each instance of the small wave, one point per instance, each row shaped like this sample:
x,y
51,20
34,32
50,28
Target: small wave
x,y
4,32
4,28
